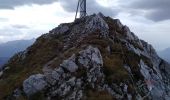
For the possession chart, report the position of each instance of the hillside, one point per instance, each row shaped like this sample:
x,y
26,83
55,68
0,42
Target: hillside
x,y
93,58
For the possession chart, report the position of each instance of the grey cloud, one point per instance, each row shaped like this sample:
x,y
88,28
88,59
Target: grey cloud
x,y
157,10
159,15
92,7
10,4
20,26
151,4
9,32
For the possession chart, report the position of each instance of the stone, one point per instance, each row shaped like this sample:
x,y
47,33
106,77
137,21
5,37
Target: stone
x,y
71,81
70,64
34,84
118,24
17,93
128,33
61,29
96,57
90,54
97,23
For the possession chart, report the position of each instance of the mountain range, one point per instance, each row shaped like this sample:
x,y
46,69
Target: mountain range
x,y
3,60
165,54
93,58
8,49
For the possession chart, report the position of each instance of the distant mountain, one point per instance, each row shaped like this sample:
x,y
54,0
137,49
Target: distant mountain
x,y
3,60
165,54
8,49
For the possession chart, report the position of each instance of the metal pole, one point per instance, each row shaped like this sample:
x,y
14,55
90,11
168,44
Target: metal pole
x,y
77,9
82,8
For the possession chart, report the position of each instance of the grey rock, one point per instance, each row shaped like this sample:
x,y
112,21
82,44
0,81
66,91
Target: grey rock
x,y
154,83
64,89
61,29
118,24
130,36
17,93
76,94
70,64
97,23
34,84
91,54
71,81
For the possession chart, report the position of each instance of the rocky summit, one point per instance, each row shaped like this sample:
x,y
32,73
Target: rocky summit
x,y
92,58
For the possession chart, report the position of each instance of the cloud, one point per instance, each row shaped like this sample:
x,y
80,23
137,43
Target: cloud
x,y
11,4
92,7
10,33
3,19
156,10
20,26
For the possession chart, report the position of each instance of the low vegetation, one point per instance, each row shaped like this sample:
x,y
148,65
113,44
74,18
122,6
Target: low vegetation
x,y
95,95
114,69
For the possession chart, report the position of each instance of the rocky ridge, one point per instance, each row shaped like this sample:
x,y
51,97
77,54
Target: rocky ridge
x,y
92,58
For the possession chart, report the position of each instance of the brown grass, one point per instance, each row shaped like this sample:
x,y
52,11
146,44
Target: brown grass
x,y
114,70
95,95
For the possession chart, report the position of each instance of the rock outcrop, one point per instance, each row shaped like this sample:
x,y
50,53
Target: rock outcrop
x,y
96,57
34,83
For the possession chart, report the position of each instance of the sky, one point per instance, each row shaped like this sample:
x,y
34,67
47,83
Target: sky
x,y
27,19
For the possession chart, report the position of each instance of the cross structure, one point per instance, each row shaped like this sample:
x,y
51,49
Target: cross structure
x,y
82,7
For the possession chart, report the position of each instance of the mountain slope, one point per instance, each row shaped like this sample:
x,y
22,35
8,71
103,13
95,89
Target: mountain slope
x,y
165,54
95,57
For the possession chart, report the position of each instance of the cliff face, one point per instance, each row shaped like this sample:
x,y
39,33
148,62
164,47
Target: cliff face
x,y
92,58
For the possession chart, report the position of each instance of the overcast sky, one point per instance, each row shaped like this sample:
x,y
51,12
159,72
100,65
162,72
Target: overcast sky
x,y
26,19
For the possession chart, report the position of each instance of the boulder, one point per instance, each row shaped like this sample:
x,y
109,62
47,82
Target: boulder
x,y
97,23
70,64
34,84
